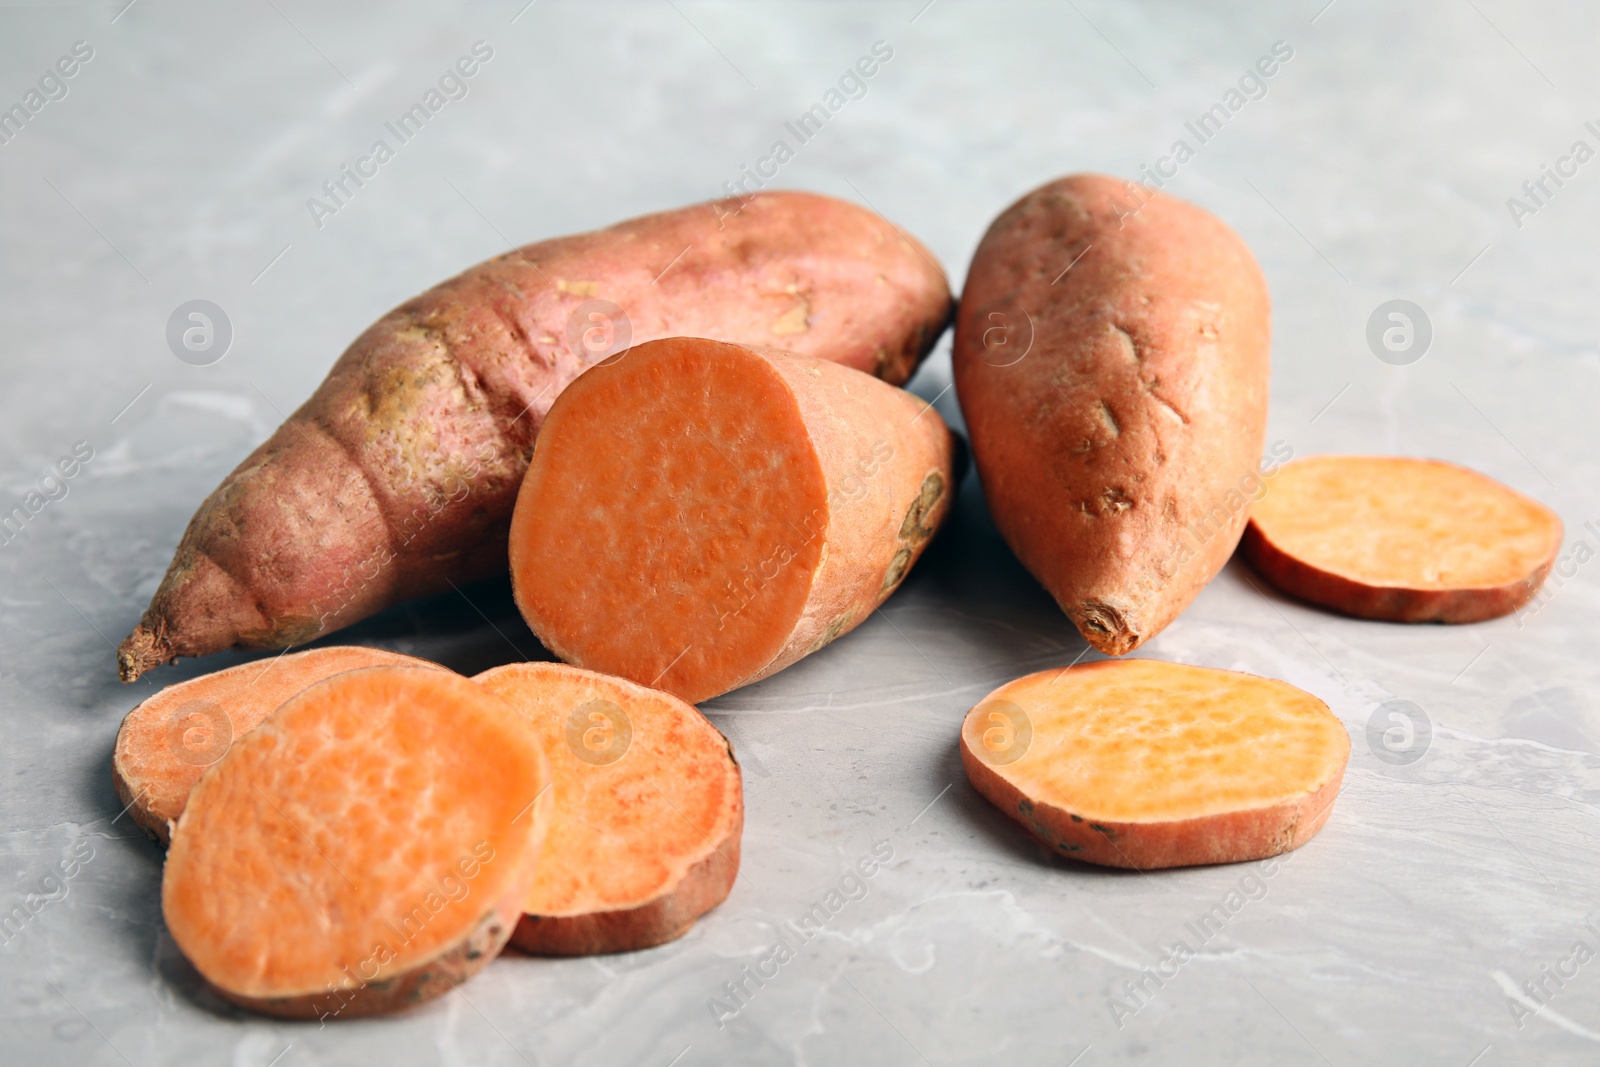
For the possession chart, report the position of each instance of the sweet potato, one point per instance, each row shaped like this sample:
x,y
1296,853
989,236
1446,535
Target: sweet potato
x,y
366,847
398,476
165,743
1111,359
699,515
1143,764
649,809
1406,540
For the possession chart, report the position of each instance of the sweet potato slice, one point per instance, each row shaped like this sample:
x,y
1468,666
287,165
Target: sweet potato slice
x,y
1144,764
649,809
699,515
366,847
165,743
1406,540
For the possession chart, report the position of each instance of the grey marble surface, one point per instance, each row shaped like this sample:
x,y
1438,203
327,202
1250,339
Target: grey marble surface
x,y
1376,166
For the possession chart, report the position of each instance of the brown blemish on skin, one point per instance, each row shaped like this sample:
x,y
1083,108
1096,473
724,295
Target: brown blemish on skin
x,y
1115,500
932,488
835,628
1109,417
897,569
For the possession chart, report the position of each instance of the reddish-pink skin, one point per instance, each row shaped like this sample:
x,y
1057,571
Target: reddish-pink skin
x,y
398,477
1388,603
1111,358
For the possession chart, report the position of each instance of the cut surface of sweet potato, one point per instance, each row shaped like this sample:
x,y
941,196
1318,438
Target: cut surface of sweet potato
x,y
366,847
1401,539
649,809
165,743
1145,764
699,515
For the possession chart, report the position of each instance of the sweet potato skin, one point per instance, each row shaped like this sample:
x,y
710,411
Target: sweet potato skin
x,y
1229,838
153,783
1223,837
398,477
1471,594
1386,604
670,913
666,918
885,460
1111,358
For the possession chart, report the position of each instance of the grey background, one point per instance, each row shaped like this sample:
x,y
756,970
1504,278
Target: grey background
x,y
1377,167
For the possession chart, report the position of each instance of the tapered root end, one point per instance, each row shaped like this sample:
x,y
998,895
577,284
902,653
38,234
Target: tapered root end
x,y
1106,628
144,649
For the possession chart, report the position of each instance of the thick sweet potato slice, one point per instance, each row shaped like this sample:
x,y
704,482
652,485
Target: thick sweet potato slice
x,y
700,515
1407,540
649,809
165,744
1143,764
366,847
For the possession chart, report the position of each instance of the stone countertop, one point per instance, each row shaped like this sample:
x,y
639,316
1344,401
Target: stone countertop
x,y
1385,158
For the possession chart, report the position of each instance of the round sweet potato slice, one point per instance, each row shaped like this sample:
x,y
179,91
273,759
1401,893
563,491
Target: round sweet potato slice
x,y
1401,539
699,515
365,848
165,743
649,809
1144,764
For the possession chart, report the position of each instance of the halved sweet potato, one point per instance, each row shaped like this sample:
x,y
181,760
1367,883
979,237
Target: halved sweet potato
x,y
1144,764
649,810
366,847
1401,539
165,743
699,515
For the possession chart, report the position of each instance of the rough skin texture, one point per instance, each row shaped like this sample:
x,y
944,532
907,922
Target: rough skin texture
x,y
399,475
1112,361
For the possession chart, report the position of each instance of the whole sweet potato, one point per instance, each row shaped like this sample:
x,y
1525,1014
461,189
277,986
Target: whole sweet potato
x,y
1111,359
398,476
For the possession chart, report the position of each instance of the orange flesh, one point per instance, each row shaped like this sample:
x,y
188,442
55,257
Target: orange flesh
x,y
167,742
1143,741
672,519
627,831
1405,523
350,820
